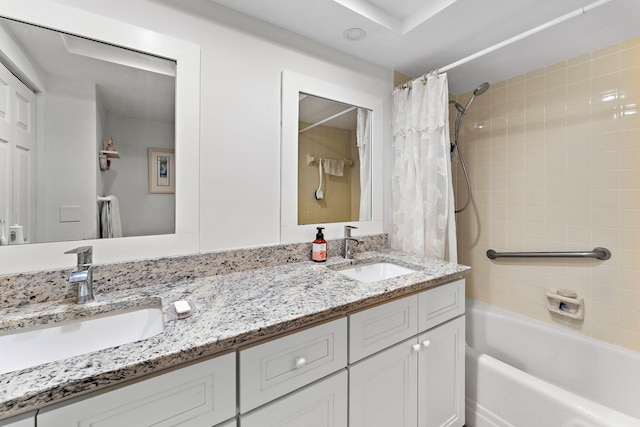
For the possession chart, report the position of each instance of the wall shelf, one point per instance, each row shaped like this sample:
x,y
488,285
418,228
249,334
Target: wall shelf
x,y
565,306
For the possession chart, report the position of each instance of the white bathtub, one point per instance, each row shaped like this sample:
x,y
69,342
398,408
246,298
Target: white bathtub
x,y
524,373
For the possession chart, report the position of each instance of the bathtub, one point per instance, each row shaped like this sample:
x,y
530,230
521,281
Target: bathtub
x,y
524,373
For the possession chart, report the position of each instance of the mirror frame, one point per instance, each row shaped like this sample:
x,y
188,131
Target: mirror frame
x,y
45,256
292,85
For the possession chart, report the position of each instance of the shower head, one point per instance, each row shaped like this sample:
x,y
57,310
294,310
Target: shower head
x,y
459,107
477,92
481,89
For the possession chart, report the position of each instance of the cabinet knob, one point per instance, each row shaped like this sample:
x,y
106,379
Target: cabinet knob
x,y
426,343
300,362
416,347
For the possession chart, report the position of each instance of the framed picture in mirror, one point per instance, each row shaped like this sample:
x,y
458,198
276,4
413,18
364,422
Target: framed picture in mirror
x,y
161,171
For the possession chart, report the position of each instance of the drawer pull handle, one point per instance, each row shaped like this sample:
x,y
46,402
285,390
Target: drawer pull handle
x,y
426,343
416,347
300,362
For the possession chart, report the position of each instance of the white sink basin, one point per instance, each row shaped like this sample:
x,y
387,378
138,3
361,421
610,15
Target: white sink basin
x,y
29,347
368,273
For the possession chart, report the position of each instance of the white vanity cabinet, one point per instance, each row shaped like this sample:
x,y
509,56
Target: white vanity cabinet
x,y
420,381
200,395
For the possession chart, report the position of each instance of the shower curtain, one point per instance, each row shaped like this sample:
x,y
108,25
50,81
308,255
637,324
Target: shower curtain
x,y
363,136
423,219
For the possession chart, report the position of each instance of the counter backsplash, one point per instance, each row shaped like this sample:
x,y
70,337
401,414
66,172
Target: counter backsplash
x,y
28,288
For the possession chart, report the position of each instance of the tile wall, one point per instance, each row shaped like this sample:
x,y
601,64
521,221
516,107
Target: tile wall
x,y
554,161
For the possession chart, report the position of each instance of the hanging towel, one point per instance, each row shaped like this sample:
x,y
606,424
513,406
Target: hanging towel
x,y
110,224
333,167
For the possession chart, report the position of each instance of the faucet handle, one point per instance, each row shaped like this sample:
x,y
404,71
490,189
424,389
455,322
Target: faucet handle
x,y
85,254
347,230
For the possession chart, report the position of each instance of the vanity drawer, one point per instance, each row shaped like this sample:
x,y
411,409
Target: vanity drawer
x,y
272,369
383,326
198,395
440,304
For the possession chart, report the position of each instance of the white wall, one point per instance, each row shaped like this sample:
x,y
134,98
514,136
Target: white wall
x,y
19,62
69,134
127,178
240,109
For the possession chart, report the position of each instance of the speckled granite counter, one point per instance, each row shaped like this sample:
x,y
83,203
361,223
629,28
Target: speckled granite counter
x,y
232,310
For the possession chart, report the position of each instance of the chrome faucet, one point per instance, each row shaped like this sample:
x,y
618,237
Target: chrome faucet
x,y
348,239
83,274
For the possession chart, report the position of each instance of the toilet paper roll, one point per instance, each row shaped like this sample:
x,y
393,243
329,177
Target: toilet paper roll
x,y
16,235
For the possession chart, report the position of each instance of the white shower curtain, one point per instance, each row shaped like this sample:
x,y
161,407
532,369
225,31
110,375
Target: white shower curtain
x,y
423,219
363,136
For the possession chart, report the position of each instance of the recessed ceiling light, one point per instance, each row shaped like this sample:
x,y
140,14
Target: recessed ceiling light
x,y
354,34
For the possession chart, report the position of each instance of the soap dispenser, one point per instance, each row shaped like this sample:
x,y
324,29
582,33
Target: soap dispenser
x,y
319,249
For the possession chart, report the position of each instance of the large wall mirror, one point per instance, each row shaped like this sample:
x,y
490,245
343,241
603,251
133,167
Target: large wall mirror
x,y
90,109
98,108
334,161
331,159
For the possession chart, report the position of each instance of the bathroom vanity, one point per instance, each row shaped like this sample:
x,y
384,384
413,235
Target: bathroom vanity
x,y
273,346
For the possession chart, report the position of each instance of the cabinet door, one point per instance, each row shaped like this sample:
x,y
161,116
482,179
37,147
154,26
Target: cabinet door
x,y
383,388
441,375
199,395
322,404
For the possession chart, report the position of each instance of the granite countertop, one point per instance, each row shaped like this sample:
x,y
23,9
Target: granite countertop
x,y
231,310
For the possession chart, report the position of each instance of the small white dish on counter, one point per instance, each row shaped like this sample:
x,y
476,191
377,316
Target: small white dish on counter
x,y
368,273
27,347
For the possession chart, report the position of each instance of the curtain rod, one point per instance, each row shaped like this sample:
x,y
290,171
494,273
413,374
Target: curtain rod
x,y
563,18
341,113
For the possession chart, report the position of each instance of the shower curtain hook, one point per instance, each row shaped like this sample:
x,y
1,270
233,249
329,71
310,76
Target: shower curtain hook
x,y
433,73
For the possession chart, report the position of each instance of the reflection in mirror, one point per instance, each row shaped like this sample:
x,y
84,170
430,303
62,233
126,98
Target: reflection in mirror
x,y
56,124
334,161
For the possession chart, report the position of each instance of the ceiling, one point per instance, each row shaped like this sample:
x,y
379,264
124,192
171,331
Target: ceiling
x,y
128,83
418,36
313,109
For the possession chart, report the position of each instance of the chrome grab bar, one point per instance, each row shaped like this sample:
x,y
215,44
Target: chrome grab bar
x,y
599,253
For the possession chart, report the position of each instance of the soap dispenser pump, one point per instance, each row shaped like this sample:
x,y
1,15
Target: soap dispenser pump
x,y
319,249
